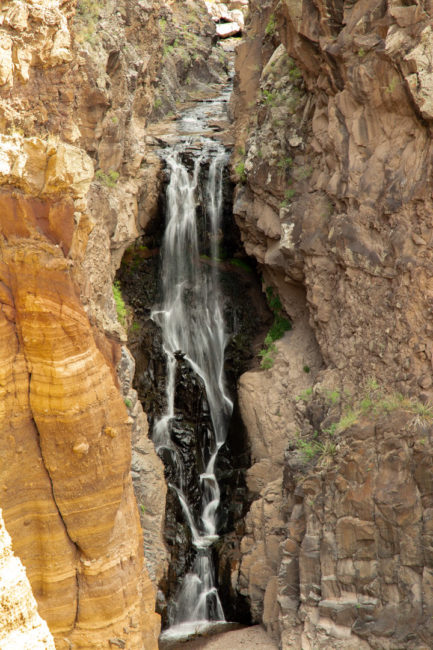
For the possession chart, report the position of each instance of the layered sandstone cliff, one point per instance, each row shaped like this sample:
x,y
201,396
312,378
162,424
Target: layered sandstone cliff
x,y
76,187
334,200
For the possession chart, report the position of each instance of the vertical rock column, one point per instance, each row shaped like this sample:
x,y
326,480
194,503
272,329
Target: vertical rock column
x,y
65,442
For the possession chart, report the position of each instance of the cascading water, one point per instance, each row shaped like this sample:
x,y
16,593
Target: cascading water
x,y
191,320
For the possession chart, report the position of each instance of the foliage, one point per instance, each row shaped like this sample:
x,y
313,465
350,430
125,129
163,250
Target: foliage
x,y
88,15
269,97
392,85
288,196
294,71
271,26
128,403
241,264
268,356
109,180
374,402
120,304
305,396
280,325
285,163
240,172
311,449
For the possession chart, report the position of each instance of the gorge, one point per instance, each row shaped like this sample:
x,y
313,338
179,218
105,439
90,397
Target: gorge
x,y
314,504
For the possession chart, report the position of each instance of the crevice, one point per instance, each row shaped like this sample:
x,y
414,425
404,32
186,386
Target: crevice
x,y
77,548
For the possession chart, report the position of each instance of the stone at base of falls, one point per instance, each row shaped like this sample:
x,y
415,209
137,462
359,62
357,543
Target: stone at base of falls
x,y
228,636
20,624
180,633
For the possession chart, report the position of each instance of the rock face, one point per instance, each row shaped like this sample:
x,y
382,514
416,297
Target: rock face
x,y
229,18
20,624
76,187
333,200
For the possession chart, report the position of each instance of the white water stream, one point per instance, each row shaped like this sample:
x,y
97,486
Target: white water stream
x,y
192,325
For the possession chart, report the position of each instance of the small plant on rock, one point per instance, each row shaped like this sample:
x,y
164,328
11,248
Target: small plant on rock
x,y
271,26
120,303
109,180
240,172
280,325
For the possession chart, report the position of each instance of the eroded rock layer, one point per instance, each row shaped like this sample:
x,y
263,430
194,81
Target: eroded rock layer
x,y
334,201
75,79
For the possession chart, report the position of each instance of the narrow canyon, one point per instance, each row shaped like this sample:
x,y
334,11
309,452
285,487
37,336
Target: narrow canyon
x,y
216,377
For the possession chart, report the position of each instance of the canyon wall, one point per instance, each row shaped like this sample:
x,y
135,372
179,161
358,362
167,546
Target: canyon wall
x,y
334,200
77,186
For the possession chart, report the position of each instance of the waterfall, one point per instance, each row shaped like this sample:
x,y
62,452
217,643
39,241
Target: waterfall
x,y
191,320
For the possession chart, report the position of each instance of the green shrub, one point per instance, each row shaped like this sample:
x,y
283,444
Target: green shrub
x,y
305,396
288,196
269,97
109,180
285,163
120,304
271,26
280,325
240,172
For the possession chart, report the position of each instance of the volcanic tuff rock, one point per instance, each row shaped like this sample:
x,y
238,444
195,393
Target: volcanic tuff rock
x,y
334,199
75,94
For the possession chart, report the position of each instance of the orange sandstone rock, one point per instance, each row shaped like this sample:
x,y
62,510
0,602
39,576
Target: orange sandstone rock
x,y
66,489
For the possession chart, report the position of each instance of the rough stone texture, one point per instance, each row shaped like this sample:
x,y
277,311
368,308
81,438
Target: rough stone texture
x,y
20,624
334,200
67,492
193,60
75,94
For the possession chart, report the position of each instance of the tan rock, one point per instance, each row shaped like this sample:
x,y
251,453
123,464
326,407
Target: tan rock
x,y
20,624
